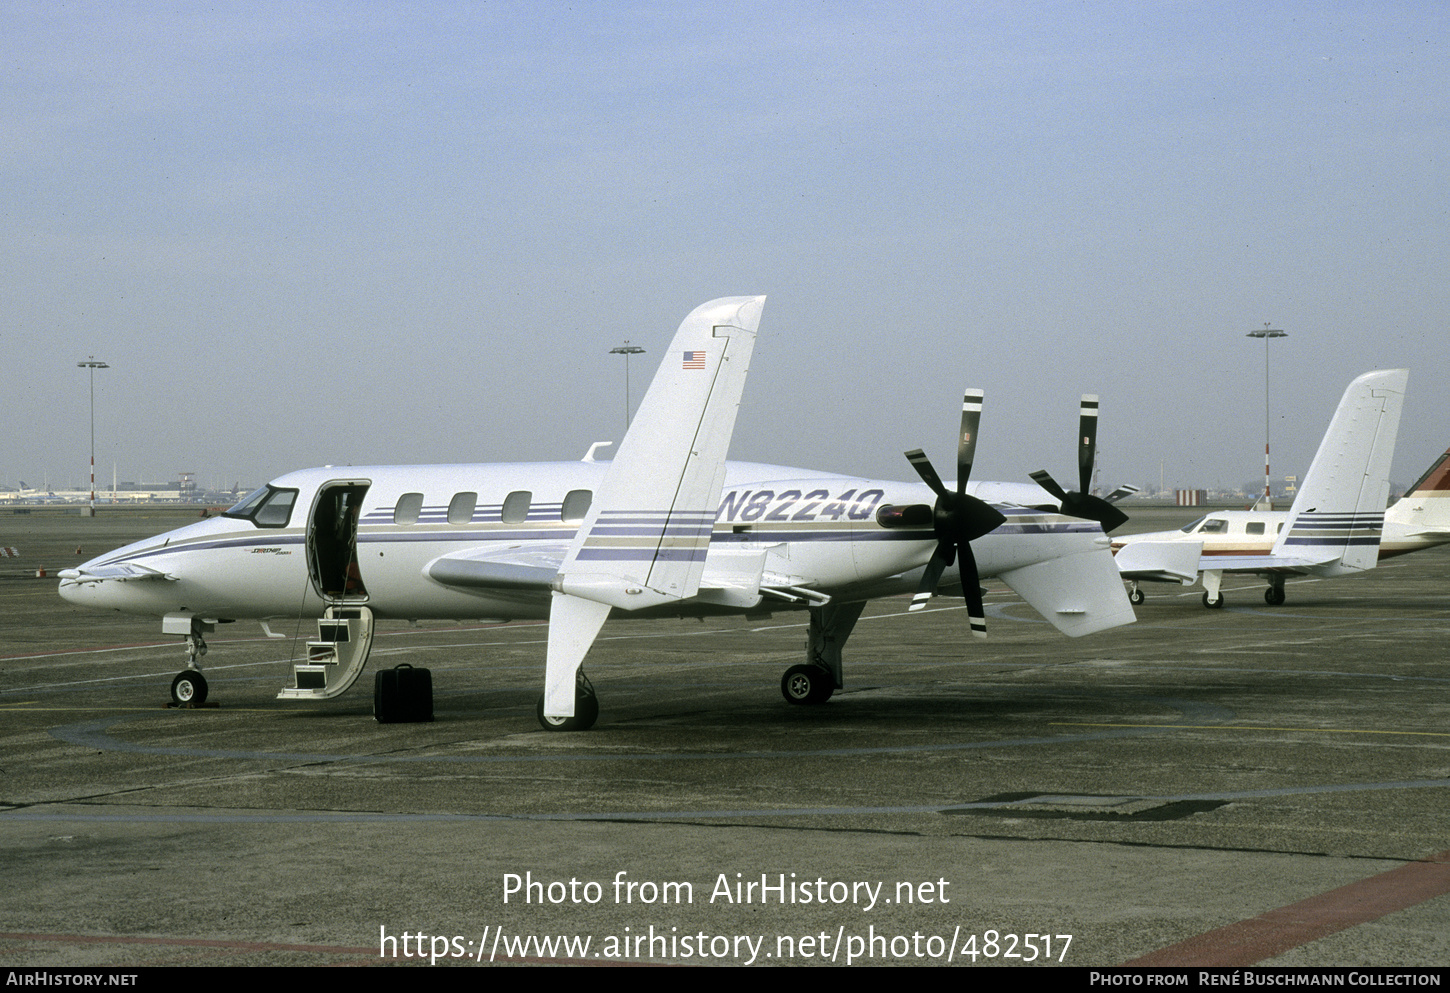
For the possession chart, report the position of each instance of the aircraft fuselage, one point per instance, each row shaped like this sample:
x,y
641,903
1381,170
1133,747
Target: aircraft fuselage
x,y
374,535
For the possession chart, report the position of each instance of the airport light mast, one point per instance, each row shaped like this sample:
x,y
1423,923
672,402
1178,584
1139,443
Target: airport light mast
x,y
1266,334
626,350
92,365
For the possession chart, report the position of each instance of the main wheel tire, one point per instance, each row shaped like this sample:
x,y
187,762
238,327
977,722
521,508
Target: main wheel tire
x,y
586,712
1274,596
188,689
1212,604
1136,597
806,685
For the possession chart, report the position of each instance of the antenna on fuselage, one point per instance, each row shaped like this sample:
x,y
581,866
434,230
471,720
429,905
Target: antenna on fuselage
x,y
589,455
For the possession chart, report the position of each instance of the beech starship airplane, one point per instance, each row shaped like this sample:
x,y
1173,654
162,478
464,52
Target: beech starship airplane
x,y
668,527
1337,525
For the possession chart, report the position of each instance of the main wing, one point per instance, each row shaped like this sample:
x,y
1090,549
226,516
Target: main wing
x,y
1079,592
119,573
731,577
1161,561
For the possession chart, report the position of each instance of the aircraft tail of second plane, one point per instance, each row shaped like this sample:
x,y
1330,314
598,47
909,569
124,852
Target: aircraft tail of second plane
x,y
1338,514
1423,514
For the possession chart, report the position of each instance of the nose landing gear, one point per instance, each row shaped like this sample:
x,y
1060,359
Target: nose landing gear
x,y
188,688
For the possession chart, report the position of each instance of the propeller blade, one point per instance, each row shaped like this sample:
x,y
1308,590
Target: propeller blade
x,y
923,468
1087,441
1081,503
967,437
1041,478
972,593
926,589
957,518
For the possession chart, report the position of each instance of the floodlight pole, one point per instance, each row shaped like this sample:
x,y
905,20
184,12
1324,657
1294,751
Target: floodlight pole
x,y
1266,334
93,365
626,350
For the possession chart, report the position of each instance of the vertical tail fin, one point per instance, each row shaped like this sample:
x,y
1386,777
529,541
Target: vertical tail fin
x,y
649,525
648,529
1339,510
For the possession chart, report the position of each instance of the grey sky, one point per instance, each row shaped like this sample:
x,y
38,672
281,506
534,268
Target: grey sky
x,y
344,233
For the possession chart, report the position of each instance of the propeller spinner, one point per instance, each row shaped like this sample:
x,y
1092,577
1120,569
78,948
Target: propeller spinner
x,y
957,518
1081,503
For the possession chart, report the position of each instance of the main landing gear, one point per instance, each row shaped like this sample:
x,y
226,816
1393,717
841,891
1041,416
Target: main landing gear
x,y
1135,595
807,684
813,683
1212,580
586,709
803,685
1274,595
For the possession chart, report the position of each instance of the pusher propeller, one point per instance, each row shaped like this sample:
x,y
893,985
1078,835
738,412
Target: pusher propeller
x,y
957,519
1081,503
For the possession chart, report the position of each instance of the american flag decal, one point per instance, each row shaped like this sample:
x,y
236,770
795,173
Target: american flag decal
x,y
694,360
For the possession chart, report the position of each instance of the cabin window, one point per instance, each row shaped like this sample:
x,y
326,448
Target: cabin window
x,y
409,506
1217,525
576,505
248,503
516,506
1254,527
460,508
268,507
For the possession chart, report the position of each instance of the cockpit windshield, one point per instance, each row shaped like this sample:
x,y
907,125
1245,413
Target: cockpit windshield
x,y
268,507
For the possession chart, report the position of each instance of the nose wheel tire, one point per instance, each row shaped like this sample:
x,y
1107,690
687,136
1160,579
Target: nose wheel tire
x,y
188,689
1213,604
805,685
1135,597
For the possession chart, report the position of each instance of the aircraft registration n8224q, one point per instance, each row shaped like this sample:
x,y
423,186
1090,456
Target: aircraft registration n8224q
x,y
668,527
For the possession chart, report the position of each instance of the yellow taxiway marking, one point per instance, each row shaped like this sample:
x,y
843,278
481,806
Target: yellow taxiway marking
x,y
1246,727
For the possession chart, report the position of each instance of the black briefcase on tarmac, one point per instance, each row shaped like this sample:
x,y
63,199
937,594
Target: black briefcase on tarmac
x,y
403,695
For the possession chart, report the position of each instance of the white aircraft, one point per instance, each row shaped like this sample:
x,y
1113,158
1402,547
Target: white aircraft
x,y
1337,525
668,527
1421,518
